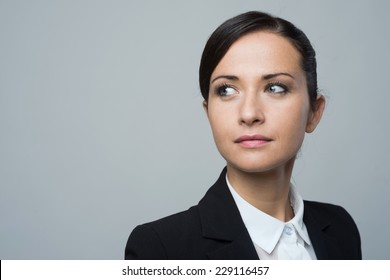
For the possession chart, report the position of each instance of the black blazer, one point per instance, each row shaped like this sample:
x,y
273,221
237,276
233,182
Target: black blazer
x,y
213,229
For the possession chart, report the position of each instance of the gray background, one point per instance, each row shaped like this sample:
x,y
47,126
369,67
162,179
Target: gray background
x,y
102,126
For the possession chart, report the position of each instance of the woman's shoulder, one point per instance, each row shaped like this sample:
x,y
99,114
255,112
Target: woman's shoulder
x,y
180,221
156,239
336,223
325,209
333,217
328,212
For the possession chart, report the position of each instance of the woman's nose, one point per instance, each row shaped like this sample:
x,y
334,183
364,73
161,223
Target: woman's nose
x,y
250,111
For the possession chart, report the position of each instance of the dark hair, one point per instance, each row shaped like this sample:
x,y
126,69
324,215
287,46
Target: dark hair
x,y
231,30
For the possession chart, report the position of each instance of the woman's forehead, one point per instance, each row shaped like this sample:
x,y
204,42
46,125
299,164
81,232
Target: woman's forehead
x,y
263,52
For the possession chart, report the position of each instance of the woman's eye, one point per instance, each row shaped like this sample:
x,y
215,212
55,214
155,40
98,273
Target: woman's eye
x,y
226,91
277,88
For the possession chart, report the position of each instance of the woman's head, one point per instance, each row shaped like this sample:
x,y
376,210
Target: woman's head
x,y
260,91
233,29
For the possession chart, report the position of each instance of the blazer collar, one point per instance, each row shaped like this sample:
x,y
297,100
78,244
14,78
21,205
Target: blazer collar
x,y
221,221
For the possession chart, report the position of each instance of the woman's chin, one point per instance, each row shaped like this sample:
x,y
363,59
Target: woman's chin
x,y
251,166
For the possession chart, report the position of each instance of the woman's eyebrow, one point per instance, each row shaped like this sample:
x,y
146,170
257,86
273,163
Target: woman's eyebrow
x,y
265,77
228,77
274,75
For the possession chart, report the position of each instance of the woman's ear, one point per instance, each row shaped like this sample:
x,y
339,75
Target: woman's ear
x,y
316,114
205,107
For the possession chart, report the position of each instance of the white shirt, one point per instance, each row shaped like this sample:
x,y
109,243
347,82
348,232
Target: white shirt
x,y
272,238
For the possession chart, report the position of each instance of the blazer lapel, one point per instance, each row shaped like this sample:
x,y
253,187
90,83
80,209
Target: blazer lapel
x,y
239,249
325,246
222,222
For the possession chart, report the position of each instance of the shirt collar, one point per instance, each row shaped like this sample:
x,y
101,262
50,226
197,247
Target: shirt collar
x,y
265,230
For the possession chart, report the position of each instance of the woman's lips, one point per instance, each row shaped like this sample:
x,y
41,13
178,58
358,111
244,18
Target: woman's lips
x,y
252,141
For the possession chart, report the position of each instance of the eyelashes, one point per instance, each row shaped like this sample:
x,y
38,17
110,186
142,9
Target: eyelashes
x,y
275,88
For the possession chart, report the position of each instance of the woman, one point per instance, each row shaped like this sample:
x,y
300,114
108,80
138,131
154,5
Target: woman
x,y
259,82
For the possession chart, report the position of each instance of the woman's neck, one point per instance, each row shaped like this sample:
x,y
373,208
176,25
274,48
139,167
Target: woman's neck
x,y
267,191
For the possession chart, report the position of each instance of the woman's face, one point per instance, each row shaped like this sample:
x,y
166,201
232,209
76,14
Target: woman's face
x,y
258,104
